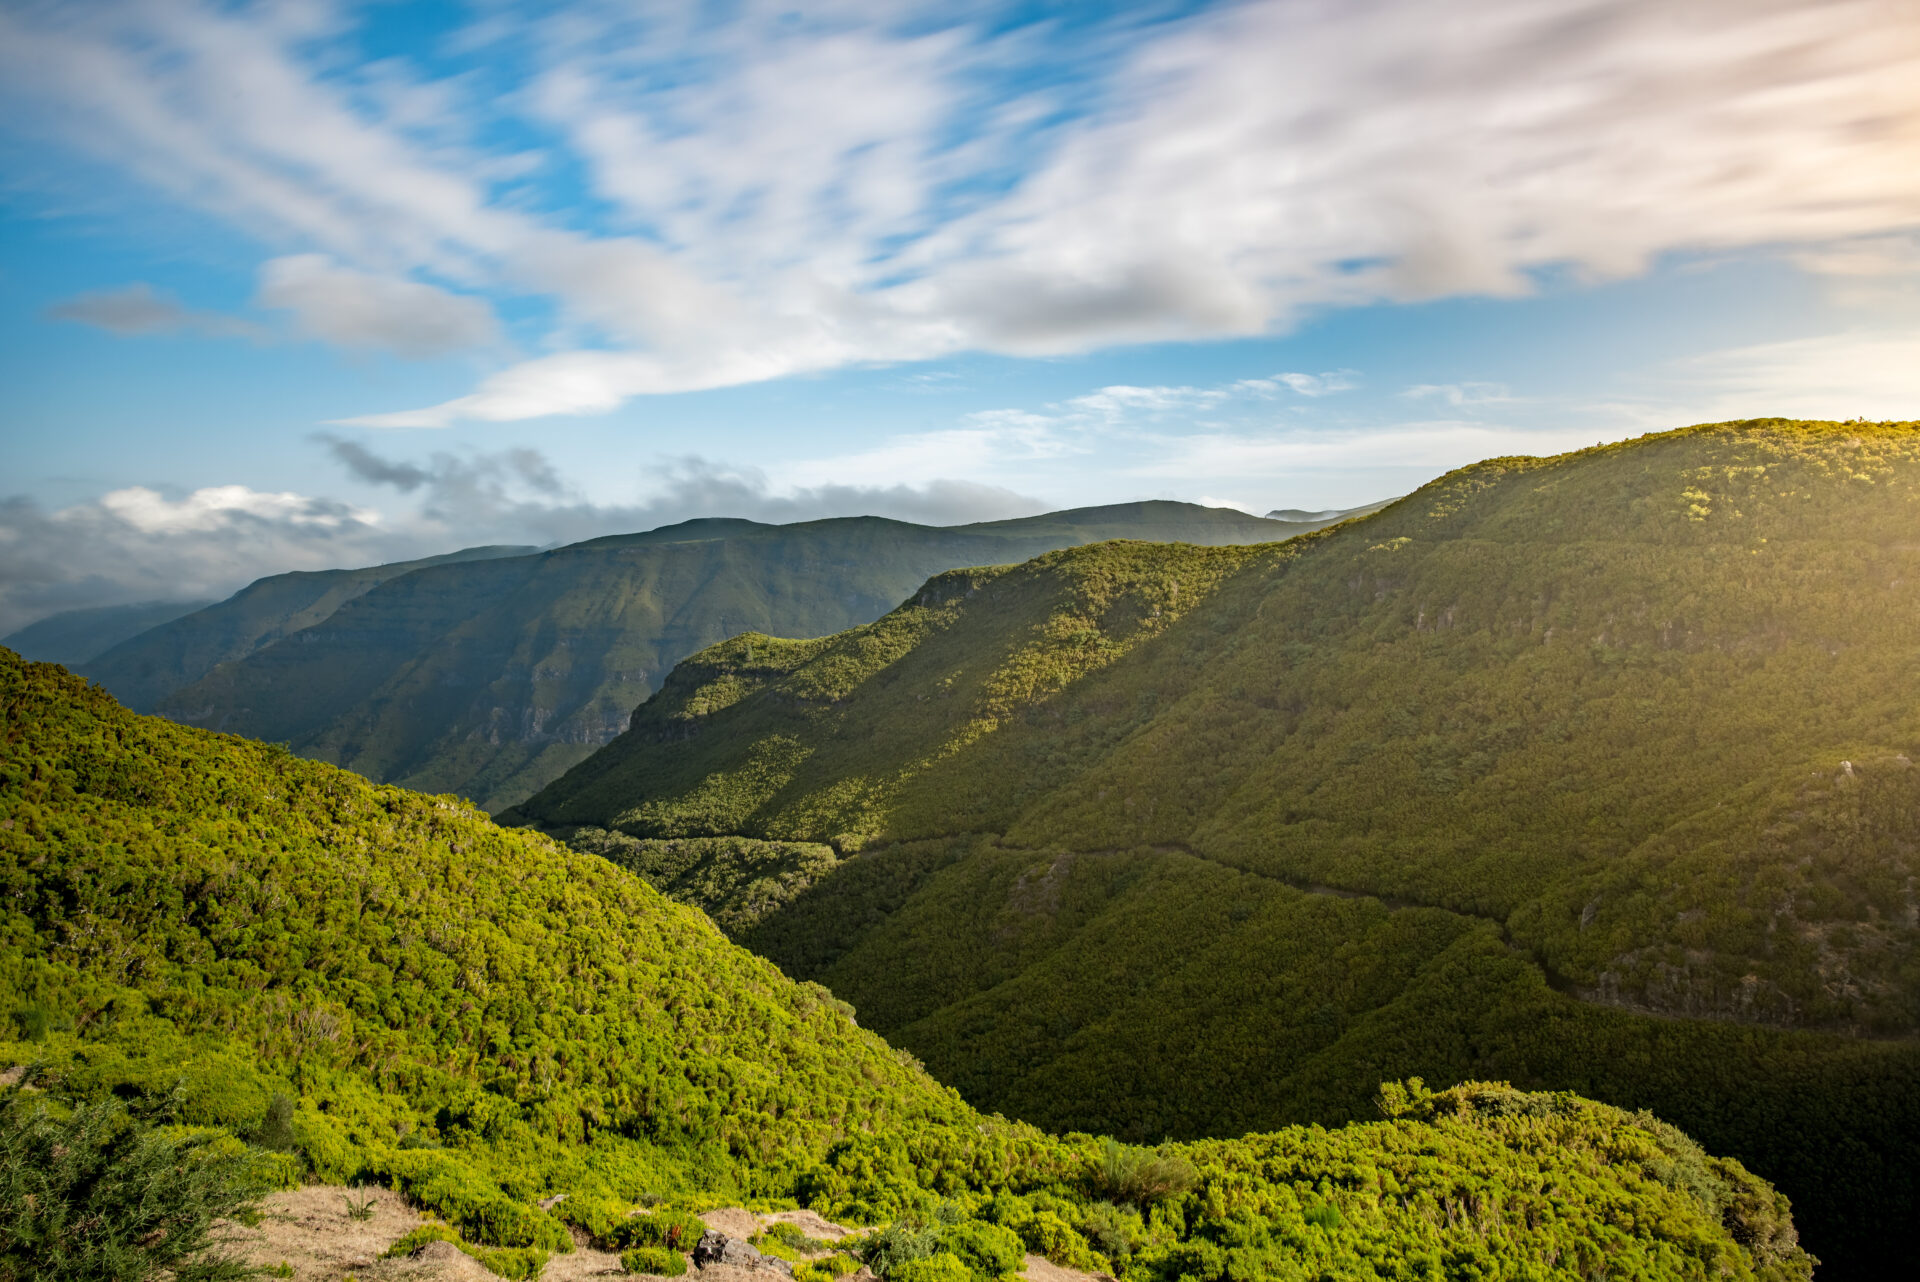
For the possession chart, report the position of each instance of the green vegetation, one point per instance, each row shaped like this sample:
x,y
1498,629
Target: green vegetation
x,y
100,1191
1591,773
481,1019
508,1262
659,1261
490,677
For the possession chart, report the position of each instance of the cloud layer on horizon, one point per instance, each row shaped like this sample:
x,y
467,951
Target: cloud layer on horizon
x,y
886,183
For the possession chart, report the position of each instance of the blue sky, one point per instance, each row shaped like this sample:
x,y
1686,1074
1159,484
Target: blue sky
x,y
303,284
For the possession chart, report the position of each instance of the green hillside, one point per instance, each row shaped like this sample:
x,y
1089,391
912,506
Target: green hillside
x,y
489,679
366,983
75,636
1591,772
153,663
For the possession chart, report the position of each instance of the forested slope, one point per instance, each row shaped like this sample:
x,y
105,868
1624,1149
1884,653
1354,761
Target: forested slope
x,y
1178,841
491,678
482,1019
155,662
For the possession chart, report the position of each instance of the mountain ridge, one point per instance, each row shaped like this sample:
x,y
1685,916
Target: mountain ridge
x,y
490,678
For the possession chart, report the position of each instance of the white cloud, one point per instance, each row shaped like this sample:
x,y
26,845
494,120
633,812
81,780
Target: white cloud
x,y
1871,374
1460,393
1339,380
358,309
802,192
221,507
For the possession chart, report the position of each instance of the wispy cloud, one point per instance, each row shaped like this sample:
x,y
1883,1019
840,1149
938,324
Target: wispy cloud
x,y
359,309
140,309
779,193
1460,393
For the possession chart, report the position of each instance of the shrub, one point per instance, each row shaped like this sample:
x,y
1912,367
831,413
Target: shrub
x,y
519,1264
1140,1177
102,1193
941,1267
275,1131
986,1249
657,1260
1049,1235
675,1229
887,1249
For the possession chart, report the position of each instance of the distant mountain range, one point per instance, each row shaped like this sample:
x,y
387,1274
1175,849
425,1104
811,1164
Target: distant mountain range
x,y
73,637
490,671
1593,772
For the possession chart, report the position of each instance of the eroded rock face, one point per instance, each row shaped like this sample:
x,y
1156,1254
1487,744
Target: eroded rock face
x,y
716,1248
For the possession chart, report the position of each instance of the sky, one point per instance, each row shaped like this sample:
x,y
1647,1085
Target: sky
x,y
306,284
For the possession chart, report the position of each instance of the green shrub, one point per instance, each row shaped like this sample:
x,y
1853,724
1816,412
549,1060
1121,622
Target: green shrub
x,y
1045,1233
275,1131
658,1260
444,1183
593,1214
943,1266
1323,1215
675,1229
1113,1232
887,1249
1140,1177
519,1264
987,1250
102,1193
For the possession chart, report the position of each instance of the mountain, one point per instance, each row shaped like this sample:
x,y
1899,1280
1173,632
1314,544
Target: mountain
x,y
153,663
373,985
72,637
1590,772
491,678
1327,516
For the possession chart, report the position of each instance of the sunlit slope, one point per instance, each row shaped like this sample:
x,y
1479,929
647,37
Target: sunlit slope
x,y
490,679
1519,678
153,663
484,1019
173,893
1361,803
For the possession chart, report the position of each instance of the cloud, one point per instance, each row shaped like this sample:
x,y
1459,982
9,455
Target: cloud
x,y
136,544
1868,374
357,309
1338,380
1460,393
139,309
774,192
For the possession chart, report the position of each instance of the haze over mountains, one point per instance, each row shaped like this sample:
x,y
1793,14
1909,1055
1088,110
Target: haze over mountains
x,y
1181,841
489,672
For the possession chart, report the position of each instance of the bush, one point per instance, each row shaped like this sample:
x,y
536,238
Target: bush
x,y
986,1249
105,1194
676,1230
941,1267
657,1260
888,1249
476,1206
520,1264
1140,1177
1049,1235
